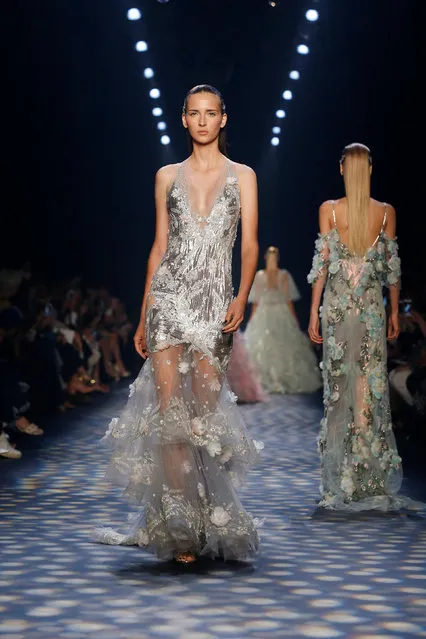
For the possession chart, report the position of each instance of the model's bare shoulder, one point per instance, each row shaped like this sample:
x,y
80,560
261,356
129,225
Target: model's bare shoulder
x,y
166,173
325,216
390,210
244,172
326,208
390,221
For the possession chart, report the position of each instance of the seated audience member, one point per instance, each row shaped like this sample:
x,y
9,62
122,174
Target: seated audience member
x,y
408,375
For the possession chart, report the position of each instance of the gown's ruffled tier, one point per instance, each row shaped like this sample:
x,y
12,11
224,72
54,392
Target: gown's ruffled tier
x,y
281,354
360,465
180,447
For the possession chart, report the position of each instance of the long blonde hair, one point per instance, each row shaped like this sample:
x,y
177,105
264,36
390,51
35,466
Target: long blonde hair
x,y
356,162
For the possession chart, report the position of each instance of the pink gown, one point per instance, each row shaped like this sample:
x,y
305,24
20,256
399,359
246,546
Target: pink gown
x,y
241,374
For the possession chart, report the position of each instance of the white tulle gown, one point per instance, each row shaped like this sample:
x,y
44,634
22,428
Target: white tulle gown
x,y
282,354
180,447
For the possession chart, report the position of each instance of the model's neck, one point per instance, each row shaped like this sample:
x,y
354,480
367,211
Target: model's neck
x,y
207,156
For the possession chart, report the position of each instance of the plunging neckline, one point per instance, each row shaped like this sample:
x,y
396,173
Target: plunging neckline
x,y
203,219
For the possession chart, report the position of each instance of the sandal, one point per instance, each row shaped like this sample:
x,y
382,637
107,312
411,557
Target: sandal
x,y
185,558
30,429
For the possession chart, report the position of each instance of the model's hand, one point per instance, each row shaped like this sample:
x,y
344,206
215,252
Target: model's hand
x,y
393,326
234,316
140,342
313,330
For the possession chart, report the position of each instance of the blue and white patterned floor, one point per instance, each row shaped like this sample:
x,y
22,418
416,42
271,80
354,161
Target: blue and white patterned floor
x,y
318,575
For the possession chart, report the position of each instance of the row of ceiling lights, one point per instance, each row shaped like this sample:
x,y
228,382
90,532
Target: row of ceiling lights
x,y
311,15
154,93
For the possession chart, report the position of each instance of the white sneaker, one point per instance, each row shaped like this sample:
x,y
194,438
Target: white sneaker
x,y
6,450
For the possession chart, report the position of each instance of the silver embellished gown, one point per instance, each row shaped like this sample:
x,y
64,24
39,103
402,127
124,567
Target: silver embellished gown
x,y
180,447
360,465
280,352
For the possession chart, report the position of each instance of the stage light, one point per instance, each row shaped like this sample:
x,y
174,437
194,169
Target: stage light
x,y
134,14
305,34
148,73
303,49
161,126
154,93
141,46
156,112
273,3
165,139
312,15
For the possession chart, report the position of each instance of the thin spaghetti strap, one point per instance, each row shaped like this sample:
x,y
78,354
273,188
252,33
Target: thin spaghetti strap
x,y
334,213
384,216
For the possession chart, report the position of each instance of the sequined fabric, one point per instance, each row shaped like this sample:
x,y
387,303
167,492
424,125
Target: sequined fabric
x,y
360,465
180,447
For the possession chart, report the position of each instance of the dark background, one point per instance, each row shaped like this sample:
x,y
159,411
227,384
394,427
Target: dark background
x,y
81,149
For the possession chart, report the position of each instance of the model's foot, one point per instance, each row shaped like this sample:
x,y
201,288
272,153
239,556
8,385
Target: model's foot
x,y
23,425
185,558
6,450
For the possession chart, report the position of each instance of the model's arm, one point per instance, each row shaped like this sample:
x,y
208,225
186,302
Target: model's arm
x,y
249,247
394,289
163,179
318,276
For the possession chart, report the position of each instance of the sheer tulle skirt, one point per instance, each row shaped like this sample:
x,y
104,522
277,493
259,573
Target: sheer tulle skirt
x,y
181,449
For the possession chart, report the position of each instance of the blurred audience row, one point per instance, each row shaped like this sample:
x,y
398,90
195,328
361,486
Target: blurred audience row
x,y
407,365
59,343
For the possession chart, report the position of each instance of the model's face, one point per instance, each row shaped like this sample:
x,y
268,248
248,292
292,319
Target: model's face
x,y
203,117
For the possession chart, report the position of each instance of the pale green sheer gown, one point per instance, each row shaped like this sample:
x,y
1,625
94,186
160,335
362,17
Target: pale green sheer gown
x,y
360,465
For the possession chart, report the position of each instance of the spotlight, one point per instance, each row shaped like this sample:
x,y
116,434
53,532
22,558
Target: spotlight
x,y
134,14
148,73
275,141
154,93
312,15
287,95
294,75
303,49
276,130
280,113
161,126
165,139
141,46
163,1
273,3
156,112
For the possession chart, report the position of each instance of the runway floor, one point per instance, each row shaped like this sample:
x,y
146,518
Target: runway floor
x,y
318,574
